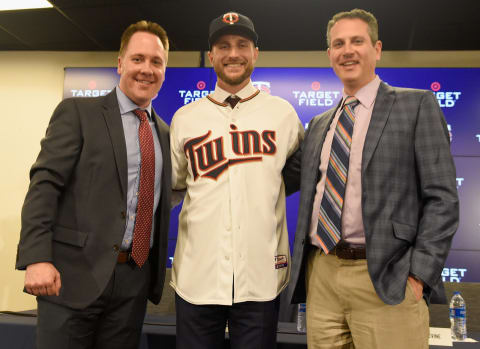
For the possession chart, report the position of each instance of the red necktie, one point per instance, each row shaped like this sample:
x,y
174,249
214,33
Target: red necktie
x,y
143,221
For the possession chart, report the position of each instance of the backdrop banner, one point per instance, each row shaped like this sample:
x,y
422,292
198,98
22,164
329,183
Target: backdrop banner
x,y
312,91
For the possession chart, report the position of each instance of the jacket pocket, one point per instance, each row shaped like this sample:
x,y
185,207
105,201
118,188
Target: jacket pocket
x,y
69,236
404,231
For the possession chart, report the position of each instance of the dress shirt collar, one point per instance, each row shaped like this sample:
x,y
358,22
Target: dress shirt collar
x,y
126,105
367,94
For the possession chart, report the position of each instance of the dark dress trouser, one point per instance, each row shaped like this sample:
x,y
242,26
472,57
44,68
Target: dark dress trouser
x,y
251,325
112,321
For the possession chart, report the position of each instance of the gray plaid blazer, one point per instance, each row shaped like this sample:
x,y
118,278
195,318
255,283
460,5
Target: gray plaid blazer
x,y
409,199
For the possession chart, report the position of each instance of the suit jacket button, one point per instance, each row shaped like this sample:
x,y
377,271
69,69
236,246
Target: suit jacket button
x,y
115,248
123,215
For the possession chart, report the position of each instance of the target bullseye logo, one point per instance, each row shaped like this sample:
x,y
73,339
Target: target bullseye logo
x,y
435,86
315,86
201,85
92,84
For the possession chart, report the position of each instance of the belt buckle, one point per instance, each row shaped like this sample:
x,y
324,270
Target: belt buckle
x,y
352,253
344,251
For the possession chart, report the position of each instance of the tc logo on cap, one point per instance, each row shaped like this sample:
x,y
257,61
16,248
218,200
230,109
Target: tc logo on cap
x,y
230,18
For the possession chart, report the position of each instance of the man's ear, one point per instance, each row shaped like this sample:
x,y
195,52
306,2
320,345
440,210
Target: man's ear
x,y
256,52
210,57
378,48
119,65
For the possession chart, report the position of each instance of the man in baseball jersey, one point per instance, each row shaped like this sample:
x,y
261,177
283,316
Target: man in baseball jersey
x,y
378,204
228,151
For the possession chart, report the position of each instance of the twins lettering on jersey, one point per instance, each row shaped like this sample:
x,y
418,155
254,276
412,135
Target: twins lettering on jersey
x,y
207,155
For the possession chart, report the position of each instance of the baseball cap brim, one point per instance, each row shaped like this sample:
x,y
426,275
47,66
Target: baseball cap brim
x,y
237,30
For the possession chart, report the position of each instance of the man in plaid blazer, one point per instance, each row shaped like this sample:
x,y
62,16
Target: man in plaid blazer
x,y
399,213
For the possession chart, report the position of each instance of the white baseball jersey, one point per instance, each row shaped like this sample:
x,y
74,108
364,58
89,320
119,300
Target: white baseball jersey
x,y
232,235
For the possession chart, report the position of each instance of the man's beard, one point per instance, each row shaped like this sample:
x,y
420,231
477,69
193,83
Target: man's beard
x,y
236,80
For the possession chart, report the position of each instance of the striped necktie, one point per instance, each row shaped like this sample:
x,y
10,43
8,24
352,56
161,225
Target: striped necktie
x,y
329,228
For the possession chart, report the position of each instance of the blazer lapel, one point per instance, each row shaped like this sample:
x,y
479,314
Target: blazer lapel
x,y
111,113
380,114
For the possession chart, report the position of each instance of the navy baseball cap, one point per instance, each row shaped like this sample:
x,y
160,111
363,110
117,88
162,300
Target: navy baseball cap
x,y
231,23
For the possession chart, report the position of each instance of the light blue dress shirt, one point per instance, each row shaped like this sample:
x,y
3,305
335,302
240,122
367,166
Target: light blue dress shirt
x,y
130,129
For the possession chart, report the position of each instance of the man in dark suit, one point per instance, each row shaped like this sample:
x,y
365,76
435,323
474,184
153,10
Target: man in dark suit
x,y
378,204
96,215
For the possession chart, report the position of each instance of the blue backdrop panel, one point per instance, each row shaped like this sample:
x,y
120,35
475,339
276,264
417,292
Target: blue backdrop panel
x,y
468,186
314,90
462,266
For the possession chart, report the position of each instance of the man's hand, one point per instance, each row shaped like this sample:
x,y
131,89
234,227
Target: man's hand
x,y
42,279
417,286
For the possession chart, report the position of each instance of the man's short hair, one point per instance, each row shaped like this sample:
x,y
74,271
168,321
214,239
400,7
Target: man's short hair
x,y
365,16
143,26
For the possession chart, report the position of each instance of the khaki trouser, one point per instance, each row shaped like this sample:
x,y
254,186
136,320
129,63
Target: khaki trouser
x,y
344,311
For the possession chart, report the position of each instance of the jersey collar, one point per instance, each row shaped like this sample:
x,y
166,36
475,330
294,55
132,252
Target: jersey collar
x,y
219,95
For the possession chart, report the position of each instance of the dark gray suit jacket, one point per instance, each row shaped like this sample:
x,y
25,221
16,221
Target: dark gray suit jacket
x,y
74,210
409,195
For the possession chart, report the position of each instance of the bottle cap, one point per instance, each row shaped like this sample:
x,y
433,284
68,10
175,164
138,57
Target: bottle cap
x,y
456,292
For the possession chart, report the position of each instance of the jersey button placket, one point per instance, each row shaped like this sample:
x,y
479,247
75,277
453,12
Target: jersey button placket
x,y
233,196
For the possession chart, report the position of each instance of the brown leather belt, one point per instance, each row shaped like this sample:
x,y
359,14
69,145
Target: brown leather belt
x,y
344,250
124,257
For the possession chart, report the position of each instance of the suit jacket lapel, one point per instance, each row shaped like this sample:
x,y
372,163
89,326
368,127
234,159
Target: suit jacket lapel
x,y
111,113
380,114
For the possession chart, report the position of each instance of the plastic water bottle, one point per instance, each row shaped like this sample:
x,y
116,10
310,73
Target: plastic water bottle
x,y
458,317
302,318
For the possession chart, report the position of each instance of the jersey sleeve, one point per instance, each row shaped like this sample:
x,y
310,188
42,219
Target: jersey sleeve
x,y
297,132
179,160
